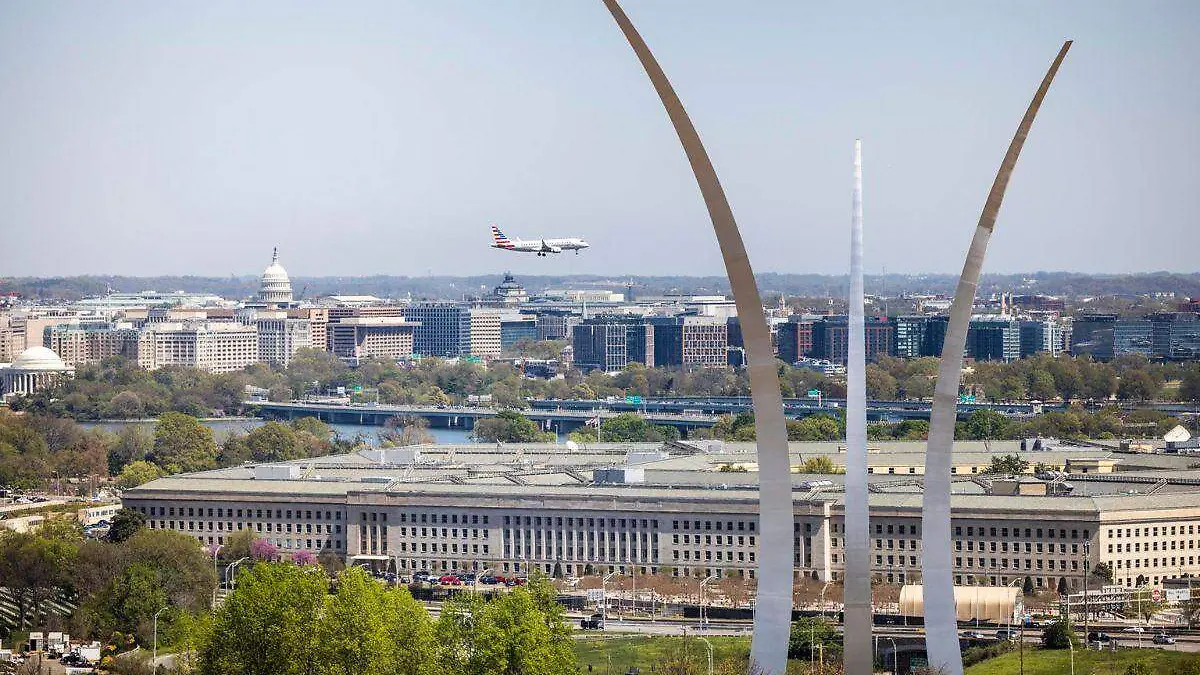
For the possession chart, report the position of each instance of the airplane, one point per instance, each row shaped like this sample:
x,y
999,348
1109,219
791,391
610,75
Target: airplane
x,y
538,246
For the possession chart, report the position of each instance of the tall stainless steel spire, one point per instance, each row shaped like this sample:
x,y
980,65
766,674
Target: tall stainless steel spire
x,y
941,625
857,588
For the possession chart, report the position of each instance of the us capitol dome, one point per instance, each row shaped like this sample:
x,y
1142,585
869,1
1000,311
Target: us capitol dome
x,y
276,287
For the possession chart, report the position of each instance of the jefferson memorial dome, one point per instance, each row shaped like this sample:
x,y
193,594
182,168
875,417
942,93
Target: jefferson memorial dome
x,y
276,287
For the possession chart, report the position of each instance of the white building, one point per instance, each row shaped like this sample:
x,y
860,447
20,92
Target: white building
x,y
34,369
276,287
279,337
213,347
485,333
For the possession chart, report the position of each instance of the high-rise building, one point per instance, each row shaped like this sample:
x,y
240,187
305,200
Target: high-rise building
x,y
213,347
1133,336
1176,335
359,337
831,338
486,341
318,325
517,327
444,330
1040,336
556,324
1092,335
610,343
691,342
81,343
794,339
910,336
280,336
994,338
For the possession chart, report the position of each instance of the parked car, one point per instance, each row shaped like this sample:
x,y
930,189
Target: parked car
x,y
974,635
1135,629
1008,634
593,622
1163,639
1097,636
487,580
450,580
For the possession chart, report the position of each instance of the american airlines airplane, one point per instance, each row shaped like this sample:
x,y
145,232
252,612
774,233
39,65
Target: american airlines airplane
x,y
538,246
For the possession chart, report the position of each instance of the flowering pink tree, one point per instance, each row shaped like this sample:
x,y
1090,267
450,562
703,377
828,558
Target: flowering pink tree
x,y
261,549
304,558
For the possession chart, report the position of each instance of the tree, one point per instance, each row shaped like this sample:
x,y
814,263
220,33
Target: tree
x,y
138,473
1008,464
133,443
1027,587
1062,586
507,427
820,464
881,386
273,442
1189,387
1103,572
182,443
268,624
1137,385
985,424
125,405
35,565
808,634
814,428
352,635
238,545
125,524
406,430
633,428
1058,635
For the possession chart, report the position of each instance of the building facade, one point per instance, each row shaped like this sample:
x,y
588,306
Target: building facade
x,y
612,342
360,337
445,328
213,347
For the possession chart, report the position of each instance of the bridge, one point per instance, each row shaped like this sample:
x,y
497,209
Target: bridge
x,y
462,417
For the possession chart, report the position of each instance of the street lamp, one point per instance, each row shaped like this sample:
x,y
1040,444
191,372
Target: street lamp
x,y
703,613
604,597
710,654
154,648
229,570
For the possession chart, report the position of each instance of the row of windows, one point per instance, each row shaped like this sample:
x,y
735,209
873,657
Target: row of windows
x,y
1038,547
476,533
1016,532
708,539
1118,533
222,512
708,525
1153,562
1137,547
719,556
1049,563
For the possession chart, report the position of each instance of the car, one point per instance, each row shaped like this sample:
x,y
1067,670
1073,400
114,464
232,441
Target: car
x,y
487,580
974,635
1134,629
593,622
1097,636
1008,634
1163,639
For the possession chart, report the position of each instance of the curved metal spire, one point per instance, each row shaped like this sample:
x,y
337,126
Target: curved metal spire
x,y
773,609
941,625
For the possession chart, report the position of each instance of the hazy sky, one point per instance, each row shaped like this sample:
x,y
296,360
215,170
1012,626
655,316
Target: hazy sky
x,y
383,138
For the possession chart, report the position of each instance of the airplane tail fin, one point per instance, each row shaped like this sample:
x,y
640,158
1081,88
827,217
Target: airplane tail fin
x,y
501,240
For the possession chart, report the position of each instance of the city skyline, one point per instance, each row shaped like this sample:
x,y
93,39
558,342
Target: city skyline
x,y
158,140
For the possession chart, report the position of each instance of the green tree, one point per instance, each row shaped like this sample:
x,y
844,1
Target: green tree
x,y
1007,464
1103,572
985,424
1189,387
881,386
133,443
810,633
182,443
507,427
352,635
125,405
125,524
820,464
268,625
1059,635
273,442
1137,385
814,428
1027,587
138,473
633,428
36,566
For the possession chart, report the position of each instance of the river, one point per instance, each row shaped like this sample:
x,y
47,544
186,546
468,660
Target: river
x,y
223,428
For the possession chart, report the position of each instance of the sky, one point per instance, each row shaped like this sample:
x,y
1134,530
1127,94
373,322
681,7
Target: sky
x,y
148,138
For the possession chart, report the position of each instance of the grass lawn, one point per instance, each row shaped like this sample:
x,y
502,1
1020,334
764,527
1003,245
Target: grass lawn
x,y
644,651
1057,661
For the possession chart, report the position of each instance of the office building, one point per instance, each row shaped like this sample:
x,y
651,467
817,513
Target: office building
x,y
556,324
486,342
83,343
1175,335
831,338
213,347
691,342
794,339
677,515
515,328
910,336
445,328
1039,336
359,337
609,343
280,336
994,338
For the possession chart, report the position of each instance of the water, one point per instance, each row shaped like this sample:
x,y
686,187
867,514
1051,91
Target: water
x,y
223,428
